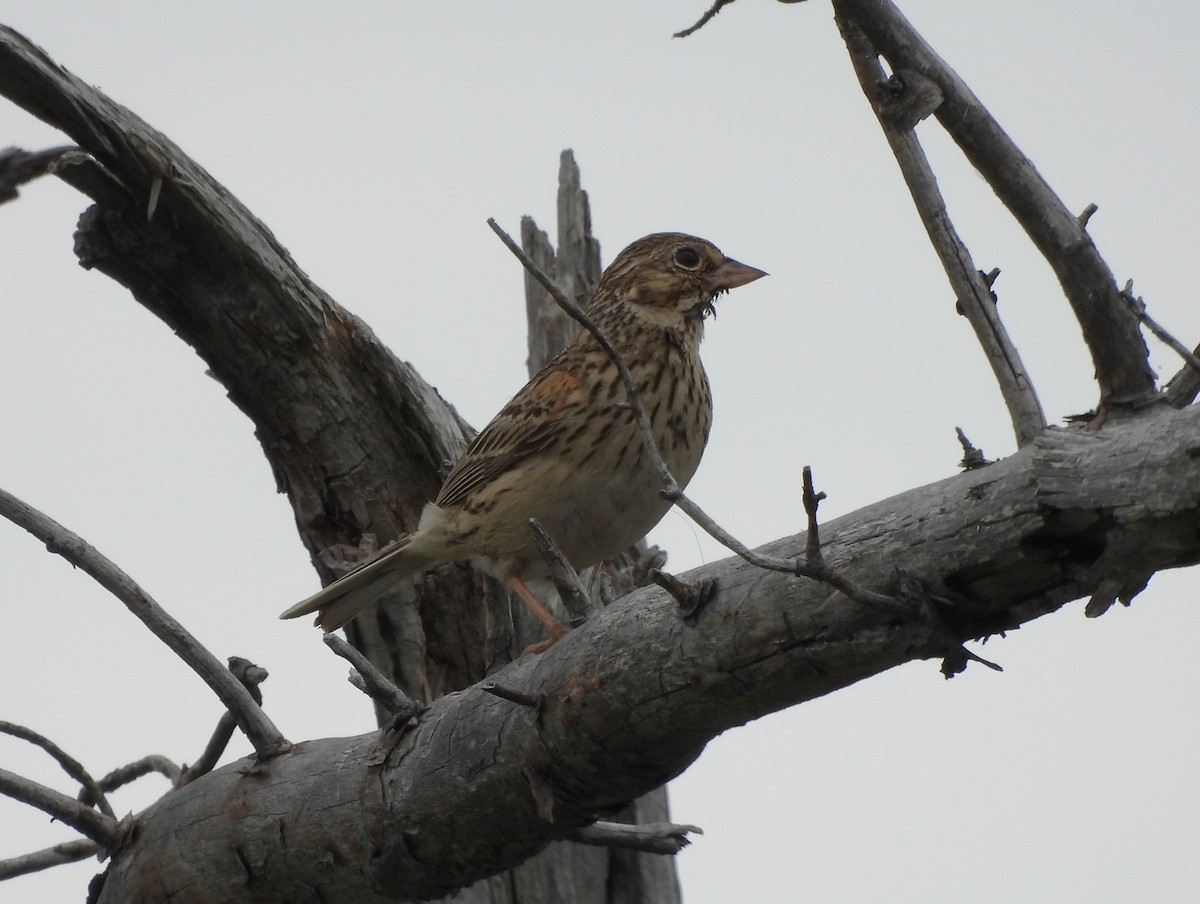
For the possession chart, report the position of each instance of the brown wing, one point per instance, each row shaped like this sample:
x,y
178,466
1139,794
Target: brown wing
x,y
526,425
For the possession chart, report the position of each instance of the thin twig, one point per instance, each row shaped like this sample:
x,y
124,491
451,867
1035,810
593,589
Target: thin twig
x,y
972,458
648,837
691,596
377,685
67,852
811,499
268,741
521,698
717,6
102,829
92,793
18,167
130,772
1138,307
671,489
566,579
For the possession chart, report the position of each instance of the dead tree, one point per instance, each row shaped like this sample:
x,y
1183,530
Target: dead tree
x,y
554,747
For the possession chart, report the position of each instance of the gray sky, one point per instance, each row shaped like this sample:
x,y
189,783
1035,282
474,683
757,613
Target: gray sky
x,y
375,143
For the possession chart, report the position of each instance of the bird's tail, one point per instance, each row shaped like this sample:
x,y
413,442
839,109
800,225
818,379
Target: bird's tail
x,y
338,603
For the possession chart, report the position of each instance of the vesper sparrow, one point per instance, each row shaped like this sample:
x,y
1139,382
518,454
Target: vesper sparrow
x,y
566,449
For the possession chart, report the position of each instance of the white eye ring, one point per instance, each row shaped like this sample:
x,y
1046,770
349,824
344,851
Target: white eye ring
x,y
688,258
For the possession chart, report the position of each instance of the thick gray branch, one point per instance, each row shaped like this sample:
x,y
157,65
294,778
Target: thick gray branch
x,y
631,698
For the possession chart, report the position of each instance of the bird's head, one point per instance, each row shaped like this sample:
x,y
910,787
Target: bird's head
x,y
669,275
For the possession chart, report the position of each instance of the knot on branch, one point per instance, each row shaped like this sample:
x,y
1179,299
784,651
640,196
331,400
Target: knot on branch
x,y
906,98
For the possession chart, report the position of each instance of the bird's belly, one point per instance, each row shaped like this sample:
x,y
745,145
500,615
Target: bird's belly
x,y
591,514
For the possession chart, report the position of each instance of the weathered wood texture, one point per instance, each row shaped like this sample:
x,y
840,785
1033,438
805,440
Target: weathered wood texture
x,y
632,697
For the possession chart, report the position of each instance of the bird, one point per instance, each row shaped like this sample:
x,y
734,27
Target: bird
x,y
566,450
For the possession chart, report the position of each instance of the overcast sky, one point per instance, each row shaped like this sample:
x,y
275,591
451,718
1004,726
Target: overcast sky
x,y
374,140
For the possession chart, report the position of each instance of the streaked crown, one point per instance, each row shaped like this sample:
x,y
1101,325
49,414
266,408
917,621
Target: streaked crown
x,y
671,270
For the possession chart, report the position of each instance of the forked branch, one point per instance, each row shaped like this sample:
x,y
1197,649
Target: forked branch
x,y
899,103
1110,332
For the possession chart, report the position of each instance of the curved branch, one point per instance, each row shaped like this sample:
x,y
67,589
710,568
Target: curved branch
x,y
130,772
92,791
266,738
1110,332
104,830
355,437
57,855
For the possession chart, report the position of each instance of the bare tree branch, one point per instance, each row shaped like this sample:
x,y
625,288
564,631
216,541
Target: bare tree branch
x,y
130,772
376,684
1110,332
263,734
92,793
1138,306
59,854
250,676
918,97
102,829
651,837
709,13
566,579
629,699
18,167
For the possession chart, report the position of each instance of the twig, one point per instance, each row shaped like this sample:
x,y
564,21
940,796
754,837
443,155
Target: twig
x,y
1181,390
67,852
957,655
130,772
18,167
972,458
971,287
377,685
93,795
671,490
249,676
717,6
102,829
649,837
691,597
811,500
267,740
533,701
566,579
1138,307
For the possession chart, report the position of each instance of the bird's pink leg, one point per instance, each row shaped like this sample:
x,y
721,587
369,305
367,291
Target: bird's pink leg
x,y
556,628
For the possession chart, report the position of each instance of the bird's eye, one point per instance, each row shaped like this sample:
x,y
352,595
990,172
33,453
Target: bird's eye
x,y
688,258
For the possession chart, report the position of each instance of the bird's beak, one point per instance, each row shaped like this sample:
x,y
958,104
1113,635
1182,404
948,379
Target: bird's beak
x,y
730,275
